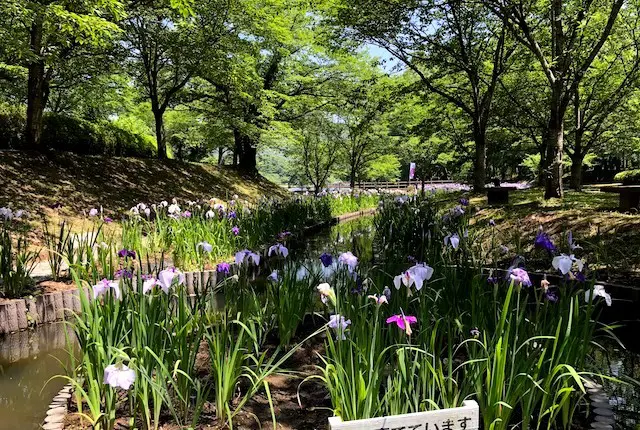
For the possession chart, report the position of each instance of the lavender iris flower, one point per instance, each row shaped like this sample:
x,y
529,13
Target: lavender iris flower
x,y
235,230
464,202
348,259
123,273
107,220
273,276
232,215
278,249
205,246
93,212
520,277
340,325
246,256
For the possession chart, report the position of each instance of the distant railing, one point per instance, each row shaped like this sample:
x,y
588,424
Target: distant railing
x,y
370,185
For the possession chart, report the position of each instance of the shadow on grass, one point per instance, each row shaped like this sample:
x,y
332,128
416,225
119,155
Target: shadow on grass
x,y
35,182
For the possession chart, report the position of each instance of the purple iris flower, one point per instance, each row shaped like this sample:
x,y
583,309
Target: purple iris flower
x,y
464,202
107,220
551,295
492,280
224,268
123,273
492,223
327,259
283,235
186,214
126,253
232,215
235,230
543,241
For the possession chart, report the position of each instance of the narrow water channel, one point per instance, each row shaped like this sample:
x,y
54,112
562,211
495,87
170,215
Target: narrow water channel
x,y
28,360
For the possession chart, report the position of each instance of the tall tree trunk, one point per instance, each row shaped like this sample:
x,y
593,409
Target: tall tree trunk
x,y
352,177
37,86
220,155
554,141
158,115
245,152
577,159
480,161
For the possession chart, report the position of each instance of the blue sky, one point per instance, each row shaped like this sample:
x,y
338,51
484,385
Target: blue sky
x,y
389,60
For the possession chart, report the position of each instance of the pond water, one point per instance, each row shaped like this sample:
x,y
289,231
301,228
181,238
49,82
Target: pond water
x,y
28,360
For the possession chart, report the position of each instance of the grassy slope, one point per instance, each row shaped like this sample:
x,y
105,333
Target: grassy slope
x,y
35,182
606,234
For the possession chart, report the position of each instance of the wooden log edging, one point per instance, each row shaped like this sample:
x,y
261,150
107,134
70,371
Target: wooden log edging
x,y
20,314
58,409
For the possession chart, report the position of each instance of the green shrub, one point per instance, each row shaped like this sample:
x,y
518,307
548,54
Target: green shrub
x,y
12,126
65,133
628,177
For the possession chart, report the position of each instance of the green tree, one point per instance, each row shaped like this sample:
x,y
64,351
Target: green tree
x,y
565,37
43,36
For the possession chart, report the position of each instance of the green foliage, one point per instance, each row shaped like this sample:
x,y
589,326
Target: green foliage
x,y
628,177
66,133
384,168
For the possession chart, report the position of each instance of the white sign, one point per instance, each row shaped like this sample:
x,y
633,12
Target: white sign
x,y
466,417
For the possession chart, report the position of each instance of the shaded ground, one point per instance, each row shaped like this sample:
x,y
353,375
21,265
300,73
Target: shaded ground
x,y
35,182
607,236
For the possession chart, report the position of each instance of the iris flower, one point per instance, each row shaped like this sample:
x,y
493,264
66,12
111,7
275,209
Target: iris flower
x,y
564,263
378,299
210,214
403,322
326,259
103,286
326,293
572,244
598,290
148,285
543,241
119,376
415,275
93,212
278,249
167,277
246,256
207,247
273,276
340,325
453,240
348,259
223,268
520,277
235,230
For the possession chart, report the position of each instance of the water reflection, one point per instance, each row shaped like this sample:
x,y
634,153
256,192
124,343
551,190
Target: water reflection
x,y
27,361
